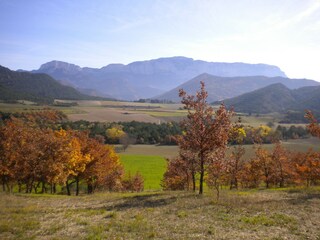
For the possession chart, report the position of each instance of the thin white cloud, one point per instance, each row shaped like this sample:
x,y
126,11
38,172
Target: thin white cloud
x,y
299,17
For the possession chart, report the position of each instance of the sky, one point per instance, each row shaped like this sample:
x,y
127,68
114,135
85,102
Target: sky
x,y
95,33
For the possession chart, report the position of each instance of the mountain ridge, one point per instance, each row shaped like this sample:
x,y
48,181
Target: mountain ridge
x,y
37,87
145,79
220,88
276,98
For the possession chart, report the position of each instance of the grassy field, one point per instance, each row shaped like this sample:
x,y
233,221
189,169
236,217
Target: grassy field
x,y
149,160
152,150
150,167
171,151
108,111
18,107
114,111
257,214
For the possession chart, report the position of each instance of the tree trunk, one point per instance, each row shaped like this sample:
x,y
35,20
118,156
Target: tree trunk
x,y
216,185
68,188
193,181
19,187
3,186
43,190
77,186
201,173
90,188
35,187
236,182
27,187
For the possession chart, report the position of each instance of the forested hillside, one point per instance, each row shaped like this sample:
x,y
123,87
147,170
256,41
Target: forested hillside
x,y
220,88
277,98
35,87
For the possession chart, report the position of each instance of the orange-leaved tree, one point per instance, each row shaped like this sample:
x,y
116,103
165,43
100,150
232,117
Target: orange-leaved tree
x,y
313,126
235,161
205,130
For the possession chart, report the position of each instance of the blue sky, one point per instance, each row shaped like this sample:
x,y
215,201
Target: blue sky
x,y
95,33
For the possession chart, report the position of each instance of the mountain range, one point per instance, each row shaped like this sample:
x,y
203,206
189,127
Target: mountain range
x,y
146,79
36,87
260,88
220,88
277,98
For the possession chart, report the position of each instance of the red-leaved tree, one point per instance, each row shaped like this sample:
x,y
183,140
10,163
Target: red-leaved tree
x,y
205,131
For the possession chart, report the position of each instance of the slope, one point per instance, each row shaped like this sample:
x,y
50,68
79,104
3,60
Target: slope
x,y
220,88
277,98
35,87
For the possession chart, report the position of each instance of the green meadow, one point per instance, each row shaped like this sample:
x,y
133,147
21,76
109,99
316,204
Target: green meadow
x,y
150,167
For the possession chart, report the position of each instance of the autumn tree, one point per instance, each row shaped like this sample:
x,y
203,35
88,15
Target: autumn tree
x,y
133,183
177,175
216,170
307,167
34,153
115,133
266,164
205,130
283,169
8,155
104,170
55,154
235,161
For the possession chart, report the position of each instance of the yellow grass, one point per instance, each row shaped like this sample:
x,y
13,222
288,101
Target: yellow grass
x,y
264,214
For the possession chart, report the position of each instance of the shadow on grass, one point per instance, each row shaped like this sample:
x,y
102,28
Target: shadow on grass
x,y
145,201
301,199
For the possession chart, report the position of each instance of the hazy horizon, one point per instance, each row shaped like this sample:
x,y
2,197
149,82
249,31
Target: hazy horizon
x,y
97,33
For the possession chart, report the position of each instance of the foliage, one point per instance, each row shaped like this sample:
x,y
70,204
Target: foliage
x,y
313,126
33,155
177,176
114,133
137,132
205,132
133,183
293,132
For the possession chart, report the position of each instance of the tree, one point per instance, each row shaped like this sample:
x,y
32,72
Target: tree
x,y
282,172
308,166
205,130
216,170
235,162
177,175
115,133
125,141
133,183
313,125
264,161
104,170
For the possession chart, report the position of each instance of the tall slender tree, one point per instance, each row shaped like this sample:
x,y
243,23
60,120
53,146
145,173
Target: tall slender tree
x,y
205,130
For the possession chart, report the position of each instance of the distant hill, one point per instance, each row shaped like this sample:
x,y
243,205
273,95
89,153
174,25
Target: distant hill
x,y
35,87
277,98
145,79
220,88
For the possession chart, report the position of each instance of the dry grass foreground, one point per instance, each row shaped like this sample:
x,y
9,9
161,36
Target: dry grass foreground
x,y
255,214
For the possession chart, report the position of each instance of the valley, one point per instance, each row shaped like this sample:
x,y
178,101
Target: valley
x,y
137,120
